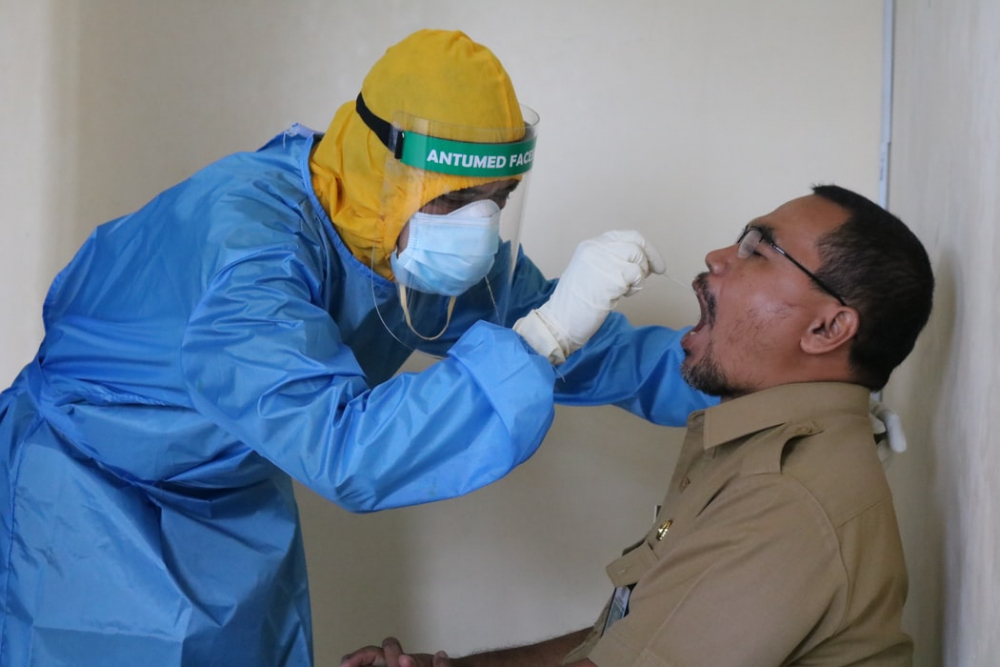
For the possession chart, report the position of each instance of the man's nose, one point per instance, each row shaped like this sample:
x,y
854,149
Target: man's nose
x,y
719,260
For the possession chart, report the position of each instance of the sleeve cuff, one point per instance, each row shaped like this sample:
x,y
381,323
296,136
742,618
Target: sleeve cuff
x,y
533,329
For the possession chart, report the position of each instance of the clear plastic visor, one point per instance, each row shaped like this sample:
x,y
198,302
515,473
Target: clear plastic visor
x,y
459,206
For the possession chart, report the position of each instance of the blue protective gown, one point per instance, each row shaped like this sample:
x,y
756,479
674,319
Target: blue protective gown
x,y
200,354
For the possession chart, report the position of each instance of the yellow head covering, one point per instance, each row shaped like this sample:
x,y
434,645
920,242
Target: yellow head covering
x,y
442,76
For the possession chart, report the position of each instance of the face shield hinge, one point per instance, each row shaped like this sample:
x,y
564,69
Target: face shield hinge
x,y
396,137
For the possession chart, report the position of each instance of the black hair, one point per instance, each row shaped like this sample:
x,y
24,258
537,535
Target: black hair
x,y
882,270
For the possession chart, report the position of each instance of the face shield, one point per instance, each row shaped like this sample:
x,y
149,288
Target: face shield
x,y
458,194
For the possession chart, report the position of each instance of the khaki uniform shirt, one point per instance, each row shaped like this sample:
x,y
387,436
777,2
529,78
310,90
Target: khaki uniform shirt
x,y
777,544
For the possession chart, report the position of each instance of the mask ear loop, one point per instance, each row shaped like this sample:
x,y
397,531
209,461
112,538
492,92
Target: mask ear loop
x,y
406,314
378,311
406,311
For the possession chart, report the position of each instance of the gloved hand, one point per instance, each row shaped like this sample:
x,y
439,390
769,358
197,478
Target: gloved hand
x,y
888,429
601,271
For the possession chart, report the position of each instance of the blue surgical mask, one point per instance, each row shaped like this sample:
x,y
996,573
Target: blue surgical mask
x,y
448,254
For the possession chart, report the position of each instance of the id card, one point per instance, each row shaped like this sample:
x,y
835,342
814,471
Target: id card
x,y
619,606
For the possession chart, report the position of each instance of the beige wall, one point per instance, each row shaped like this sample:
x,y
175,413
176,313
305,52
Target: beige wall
x,y
682,119
946,183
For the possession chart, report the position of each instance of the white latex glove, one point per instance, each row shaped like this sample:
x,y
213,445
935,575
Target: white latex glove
x,y
601,271
888,429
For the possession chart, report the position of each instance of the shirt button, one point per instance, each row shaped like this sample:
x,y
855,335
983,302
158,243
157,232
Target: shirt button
x,y
684,483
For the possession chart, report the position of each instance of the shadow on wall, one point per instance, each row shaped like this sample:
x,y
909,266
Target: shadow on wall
x,y
523,549
358,583
925,481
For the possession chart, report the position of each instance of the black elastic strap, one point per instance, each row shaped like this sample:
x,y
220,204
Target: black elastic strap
x,y
391,137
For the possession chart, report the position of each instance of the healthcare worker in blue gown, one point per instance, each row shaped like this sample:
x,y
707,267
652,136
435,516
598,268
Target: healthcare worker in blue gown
x,y
243,330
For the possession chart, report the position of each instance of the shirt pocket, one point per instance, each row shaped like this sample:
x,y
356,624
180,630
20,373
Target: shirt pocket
x,y
629,568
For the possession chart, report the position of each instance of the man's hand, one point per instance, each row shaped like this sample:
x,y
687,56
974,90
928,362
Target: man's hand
x,y
390,654
547,653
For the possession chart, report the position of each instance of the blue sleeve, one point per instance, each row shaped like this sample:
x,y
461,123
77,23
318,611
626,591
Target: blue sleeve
x,y
635,368
267,364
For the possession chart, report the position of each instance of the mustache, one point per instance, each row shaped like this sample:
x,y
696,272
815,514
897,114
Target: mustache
x,y
701,289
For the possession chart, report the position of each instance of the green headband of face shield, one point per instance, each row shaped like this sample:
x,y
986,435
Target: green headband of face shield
x,y
445,156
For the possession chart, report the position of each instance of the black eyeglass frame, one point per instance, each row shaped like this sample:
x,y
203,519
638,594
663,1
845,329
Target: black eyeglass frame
x,y
762,236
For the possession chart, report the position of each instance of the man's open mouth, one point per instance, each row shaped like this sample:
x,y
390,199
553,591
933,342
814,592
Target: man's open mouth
x,y
705,301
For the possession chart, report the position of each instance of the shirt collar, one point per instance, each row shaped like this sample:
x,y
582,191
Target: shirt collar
x,y
778,405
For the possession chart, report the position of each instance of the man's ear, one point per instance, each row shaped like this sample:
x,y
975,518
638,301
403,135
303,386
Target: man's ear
x,y
835,327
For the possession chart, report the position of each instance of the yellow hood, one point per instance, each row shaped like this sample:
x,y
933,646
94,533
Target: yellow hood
x,y
442,76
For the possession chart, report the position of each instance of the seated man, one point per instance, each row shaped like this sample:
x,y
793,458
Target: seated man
x,y
777,542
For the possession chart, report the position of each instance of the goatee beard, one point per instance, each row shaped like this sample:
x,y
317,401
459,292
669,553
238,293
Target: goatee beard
x,y
706,376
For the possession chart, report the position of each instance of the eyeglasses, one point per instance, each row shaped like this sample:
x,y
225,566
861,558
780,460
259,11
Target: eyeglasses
x,y
751,237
